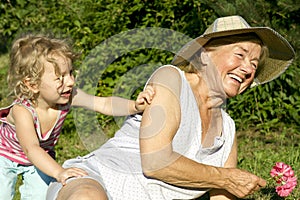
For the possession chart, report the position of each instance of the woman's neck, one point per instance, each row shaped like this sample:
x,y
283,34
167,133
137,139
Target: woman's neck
x,y
204,97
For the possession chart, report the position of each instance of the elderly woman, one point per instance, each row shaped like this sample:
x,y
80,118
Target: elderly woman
x,y
184,144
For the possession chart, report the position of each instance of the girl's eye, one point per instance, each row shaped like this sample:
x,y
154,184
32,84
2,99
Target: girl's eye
x,y
60,81
61,78
71,73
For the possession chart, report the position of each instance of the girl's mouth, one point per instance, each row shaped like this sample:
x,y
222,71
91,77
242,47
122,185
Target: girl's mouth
x,y
66,94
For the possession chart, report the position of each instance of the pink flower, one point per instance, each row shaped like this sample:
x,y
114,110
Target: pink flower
x,y
285,189
284,177
280,169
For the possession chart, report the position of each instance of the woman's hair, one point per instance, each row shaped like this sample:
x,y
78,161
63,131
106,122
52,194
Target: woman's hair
x,y
187,66
27,59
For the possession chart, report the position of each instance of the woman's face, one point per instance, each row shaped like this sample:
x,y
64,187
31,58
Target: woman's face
x,y
236,64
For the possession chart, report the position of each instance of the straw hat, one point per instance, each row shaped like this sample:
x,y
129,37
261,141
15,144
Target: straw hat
x,y
281,54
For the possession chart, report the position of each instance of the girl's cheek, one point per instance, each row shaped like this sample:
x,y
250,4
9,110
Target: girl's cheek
x,y
59,86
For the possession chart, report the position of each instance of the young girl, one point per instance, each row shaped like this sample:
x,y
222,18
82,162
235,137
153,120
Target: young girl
x,y
42,76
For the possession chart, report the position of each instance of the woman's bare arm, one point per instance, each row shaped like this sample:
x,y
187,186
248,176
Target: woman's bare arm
x,y
160,123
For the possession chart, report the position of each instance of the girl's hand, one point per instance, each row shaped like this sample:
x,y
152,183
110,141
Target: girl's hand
x,y
144,98
67,173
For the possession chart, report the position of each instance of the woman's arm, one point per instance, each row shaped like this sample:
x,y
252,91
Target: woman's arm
x,y
114,106
29,142
221,194
160,123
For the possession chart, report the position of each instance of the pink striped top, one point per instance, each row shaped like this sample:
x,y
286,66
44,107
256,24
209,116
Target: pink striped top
x,y
9,145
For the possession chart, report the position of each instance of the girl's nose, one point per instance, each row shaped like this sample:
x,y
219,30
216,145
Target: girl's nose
x,y
70,81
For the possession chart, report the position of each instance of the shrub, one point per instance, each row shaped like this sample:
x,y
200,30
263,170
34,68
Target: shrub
x,y
91,23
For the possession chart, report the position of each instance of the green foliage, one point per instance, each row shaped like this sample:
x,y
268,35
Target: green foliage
x,y
90,23
113,65
5,94
258,153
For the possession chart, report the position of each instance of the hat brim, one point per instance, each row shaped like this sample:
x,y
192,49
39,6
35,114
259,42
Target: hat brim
x,y
281,53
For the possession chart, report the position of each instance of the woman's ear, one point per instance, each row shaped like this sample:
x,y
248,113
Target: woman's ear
x,y
31,86
204,57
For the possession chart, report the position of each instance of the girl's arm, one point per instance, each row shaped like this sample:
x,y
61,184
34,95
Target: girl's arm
x,y
114,106
29,142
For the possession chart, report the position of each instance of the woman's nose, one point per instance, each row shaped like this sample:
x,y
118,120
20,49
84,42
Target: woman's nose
x,y
247,68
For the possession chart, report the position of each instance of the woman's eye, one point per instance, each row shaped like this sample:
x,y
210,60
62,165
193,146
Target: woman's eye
x,y
240,55
254,66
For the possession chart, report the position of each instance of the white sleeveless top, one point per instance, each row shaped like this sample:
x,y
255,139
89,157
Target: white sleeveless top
x,y
119,158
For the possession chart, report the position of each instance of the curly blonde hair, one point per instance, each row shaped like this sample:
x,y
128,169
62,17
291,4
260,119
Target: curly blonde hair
x,y
27,58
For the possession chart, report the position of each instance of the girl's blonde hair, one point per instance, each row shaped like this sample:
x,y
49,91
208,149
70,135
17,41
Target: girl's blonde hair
x,y
27,58
187,66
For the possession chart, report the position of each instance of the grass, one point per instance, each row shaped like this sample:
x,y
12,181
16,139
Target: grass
x,y
258,152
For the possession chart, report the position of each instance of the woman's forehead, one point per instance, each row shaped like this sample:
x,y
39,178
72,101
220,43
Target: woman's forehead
x,y
247,47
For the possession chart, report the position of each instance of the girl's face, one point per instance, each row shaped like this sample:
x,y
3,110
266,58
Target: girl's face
x,y
237,64
56,89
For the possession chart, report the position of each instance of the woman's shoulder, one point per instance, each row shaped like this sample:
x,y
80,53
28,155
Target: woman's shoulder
x,y
167,74
167,77
173,70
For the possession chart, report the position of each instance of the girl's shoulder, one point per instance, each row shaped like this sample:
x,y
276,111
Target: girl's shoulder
x,y
18,107
24,104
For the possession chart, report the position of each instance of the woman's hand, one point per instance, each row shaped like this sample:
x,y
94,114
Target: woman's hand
x,y
67,173
242,183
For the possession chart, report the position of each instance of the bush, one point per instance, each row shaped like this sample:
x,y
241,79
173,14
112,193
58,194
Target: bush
x,y
91,23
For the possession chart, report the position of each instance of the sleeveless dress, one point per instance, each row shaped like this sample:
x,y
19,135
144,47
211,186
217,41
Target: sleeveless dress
x,y
117,163
119,159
